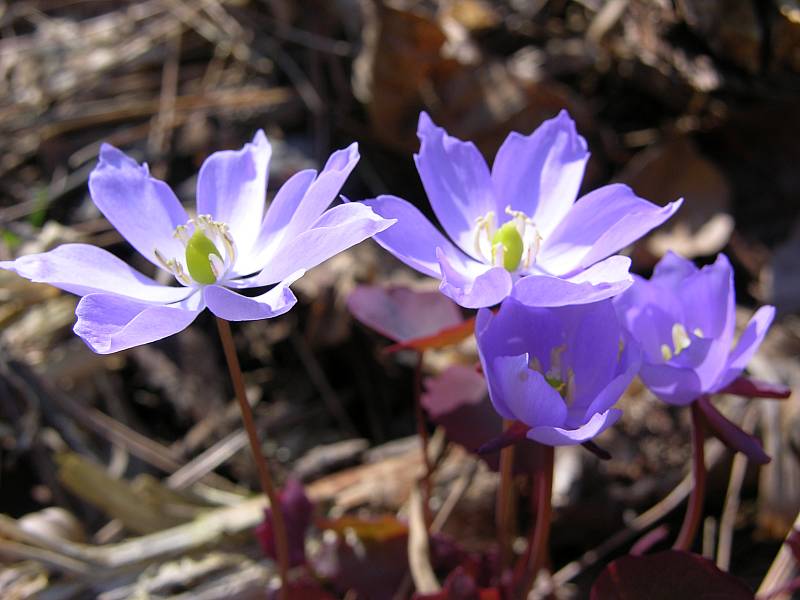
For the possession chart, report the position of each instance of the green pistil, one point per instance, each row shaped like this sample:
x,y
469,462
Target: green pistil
x,y
509,238
556,384
198,250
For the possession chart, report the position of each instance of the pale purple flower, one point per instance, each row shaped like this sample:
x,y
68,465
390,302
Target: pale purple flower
x,y
519,225
559,371
684,319
232,243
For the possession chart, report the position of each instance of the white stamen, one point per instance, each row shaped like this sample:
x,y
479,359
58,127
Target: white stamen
x,y
484,231
217,266
219,235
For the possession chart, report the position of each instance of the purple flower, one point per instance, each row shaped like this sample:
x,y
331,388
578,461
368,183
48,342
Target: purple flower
x,y
231,244
558,370
684,318
518,225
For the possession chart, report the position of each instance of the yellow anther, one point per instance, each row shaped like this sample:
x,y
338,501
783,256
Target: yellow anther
x,y
666,353
680,339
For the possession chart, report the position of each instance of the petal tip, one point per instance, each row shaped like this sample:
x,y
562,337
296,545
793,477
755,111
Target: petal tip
x,y
425,123
260,138
113,157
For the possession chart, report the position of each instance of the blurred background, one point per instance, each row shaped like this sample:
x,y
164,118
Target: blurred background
x,y
685,98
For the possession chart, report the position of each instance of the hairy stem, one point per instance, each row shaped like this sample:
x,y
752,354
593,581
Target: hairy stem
x,y
694,510
540,534
503,510
422,431
281,542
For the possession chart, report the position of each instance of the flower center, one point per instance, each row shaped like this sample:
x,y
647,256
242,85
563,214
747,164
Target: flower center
x,y
680,341
199,250
209,252
513,245
560,379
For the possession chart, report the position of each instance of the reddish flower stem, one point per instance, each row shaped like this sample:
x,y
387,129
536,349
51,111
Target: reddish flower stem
x,y
422,431
503,510
543,501
281,542
694,511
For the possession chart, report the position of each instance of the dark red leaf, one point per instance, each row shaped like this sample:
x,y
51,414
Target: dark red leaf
x,y
448,336
374,529
304,588
460,585
458,400
402,314
731,434
368,556
667,575
297,512
753,388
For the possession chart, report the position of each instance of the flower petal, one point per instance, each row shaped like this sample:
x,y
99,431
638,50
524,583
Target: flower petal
x,y
471,284
456,180
519,329
628,367
709,301
674,385
557,436
143,209
232,188
336,230
672,269
323,190
599,224
276,222
232,306
648,323
600,281
747,345
110,323
540,174
298,203
85,269
593,364
413,239
520,393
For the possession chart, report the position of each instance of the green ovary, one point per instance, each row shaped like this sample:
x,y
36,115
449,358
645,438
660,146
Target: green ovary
x,y
198,250
508,236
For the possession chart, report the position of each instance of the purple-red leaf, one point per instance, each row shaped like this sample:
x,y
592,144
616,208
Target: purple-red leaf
x,y
460,585
667,575
297,513
368,556
731,434
402,314
458,400
753,388
304,588
448,336
456,386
